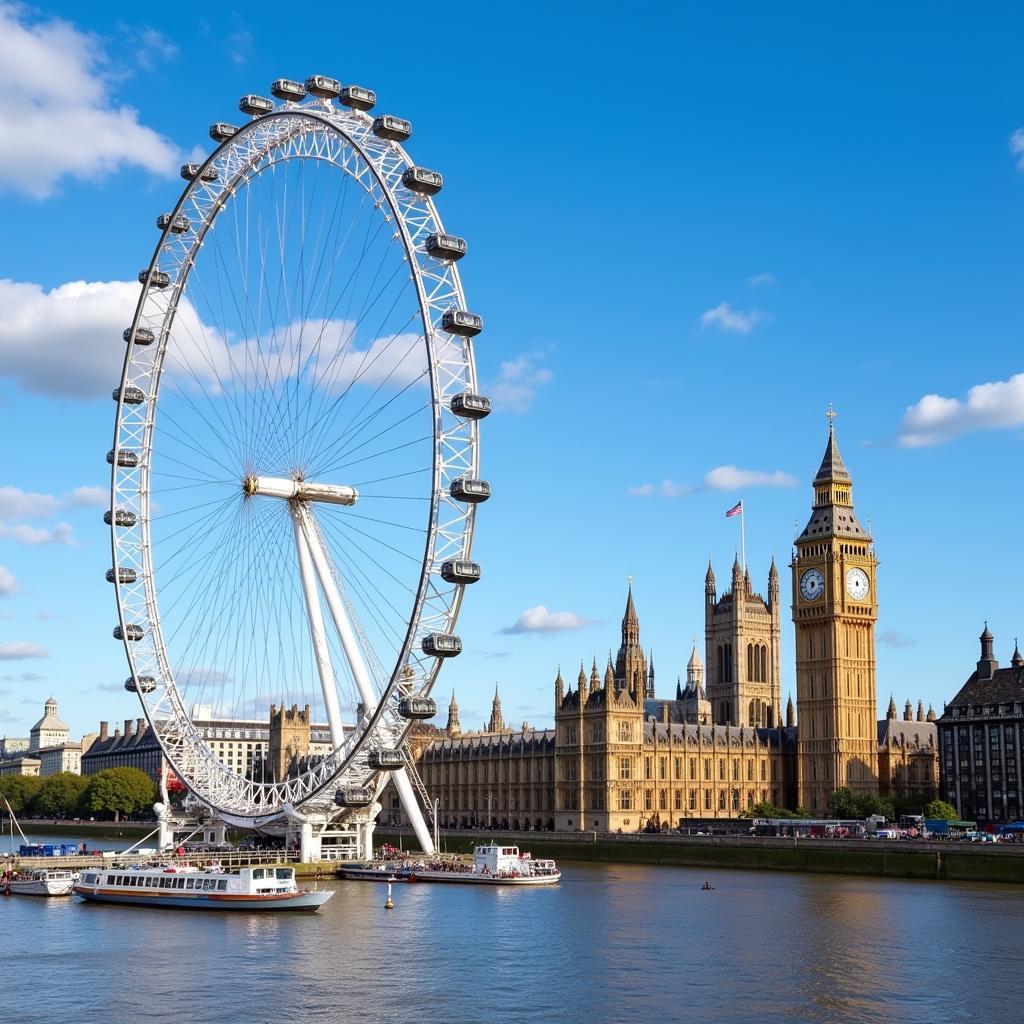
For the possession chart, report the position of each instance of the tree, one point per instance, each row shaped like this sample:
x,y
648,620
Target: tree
x,y
941,811
19,791
767,810
58,796
843,803
117,791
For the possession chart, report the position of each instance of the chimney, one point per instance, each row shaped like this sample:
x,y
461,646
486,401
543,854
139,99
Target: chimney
x,y
127,728
140,726
103,731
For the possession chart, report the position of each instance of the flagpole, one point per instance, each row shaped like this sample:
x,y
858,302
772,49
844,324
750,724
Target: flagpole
x,y
743,535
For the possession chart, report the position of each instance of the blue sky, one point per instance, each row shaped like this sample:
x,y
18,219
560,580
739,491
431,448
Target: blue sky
x,y
691,229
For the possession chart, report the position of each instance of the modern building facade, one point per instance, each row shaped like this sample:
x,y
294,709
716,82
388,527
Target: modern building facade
x,y
981,738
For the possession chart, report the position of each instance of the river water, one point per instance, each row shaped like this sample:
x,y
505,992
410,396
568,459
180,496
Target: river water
x,y
611,943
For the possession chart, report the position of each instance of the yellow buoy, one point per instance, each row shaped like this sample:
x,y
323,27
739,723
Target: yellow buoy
x,y
389,904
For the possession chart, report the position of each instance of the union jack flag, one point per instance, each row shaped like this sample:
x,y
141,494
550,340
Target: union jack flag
x,y
736,510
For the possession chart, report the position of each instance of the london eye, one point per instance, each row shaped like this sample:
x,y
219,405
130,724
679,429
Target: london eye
x,y
295,467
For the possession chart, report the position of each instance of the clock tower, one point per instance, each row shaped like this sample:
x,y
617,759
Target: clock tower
x,y
835,606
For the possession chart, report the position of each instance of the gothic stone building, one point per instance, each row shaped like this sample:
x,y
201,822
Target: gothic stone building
x,y
982,740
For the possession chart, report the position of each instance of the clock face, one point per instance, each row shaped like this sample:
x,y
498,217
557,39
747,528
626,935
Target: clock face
x,y
812,585
857,584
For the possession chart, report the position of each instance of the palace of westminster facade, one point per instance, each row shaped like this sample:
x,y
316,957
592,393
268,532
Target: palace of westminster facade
x,y
621,758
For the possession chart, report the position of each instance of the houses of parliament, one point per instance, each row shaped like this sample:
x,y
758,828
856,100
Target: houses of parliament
x,y
620,757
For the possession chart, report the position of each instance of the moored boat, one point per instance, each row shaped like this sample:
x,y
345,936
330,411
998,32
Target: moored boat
x,y
189,888
493,864
47,882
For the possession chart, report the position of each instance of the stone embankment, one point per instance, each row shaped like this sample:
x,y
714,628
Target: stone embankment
x,y
952,861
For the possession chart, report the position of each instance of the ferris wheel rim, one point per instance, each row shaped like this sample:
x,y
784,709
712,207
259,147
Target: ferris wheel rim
x,y
335,122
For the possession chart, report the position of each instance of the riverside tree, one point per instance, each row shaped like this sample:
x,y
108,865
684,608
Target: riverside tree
x,y
19,790
939,810
119,791
59,796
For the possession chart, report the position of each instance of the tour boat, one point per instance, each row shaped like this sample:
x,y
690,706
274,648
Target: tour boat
x,y
191,888
39,883
492,865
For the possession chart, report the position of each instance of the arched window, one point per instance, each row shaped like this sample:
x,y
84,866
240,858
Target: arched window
x,y
764,664
751,674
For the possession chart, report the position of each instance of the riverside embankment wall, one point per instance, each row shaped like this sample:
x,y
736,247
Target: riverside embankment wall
x,y
887,858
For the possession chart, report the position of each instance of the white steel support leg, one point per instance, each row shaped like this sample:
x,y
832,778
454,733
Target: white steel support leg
x,y
316,629
354,655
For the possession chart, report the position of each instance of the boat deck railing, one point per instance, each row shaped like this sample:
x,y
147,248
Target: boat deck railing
x,y
229,860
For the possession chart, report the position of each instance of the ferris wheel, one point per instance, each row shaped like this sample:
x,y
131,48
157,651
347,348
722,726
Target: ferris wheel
x,y
295,468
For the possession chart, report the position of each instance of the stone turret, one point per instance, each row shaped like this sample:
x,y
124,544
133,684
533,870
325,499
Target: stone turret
x,y
920,711
497,722
581,685
892,712
289,740
559,688
908,712
454,728
1017,661
987,664
790,713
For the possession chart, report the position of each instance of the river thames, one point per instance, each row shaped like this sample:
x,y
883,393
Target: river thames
x,y
610,943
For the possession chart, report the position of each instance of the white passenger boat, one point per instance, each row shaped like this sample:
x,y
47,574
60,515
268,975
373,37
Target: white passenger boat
x,y
190,888
40,883
493,864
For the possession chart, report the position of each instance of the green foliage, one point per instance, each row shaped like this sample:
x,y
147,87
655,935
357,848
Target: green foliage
x,y
844,803
768,810
940,810
116,791
58,796
19,790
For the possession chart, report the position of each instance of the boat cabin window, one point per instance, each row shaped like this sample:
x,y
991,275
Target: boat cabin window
x,y
89,879
222,884
190,883
284,873
508,851
257,872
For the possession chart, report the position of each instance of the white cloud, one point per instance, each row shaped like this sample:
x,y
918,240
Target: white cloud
x,y
8,584
731,478
90,497
667,489
1017,147
22,533
19,651
18,504
540,620
57,117
993,406
731,321
151,47
892,638
68,342
517,384
721,478
760,280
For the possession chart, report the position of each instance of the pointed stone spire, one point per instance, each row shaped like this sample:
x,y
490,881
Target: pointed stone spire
x,y
920,711
737,574
559,689
595,678
908,712
930,717
746,581
987,664
773,585
833,469
649,692
581,685
709,581
1017,661
497,722
790,713
453,728
609,676
679,689
891,713
630,622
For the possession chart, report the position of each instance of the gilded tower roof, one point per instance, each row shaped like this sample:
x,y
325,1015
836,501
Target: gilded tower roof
x,y
832,466
833,514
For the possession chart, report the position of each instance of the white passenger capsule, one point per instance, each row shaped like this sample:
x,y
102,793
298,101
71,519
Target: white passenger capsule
x,y
143,336
131,632
446,247
470,406
417,709
464,488
221,132
147,684
358,98
460,570
322,86
122,576
385,760
286,89
126,458
422,181
122,517
462,322
441,645
177,225
132,395
395,129
190,172
255,105
354,796
158,279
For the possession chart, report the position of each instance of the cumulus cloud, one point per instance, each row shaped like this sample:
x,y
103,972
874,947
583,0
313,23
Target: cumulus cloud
x,y
18,504
935,419
20,651
540,620
151,47
721,478
517,384
731,478
58,118
731,321
760,280
1017,147
891,638
90,497
8,584
22,533
23,677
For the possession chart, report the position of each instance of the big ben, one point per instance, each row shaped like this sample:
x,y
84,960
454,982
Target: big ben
x,y
835,606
